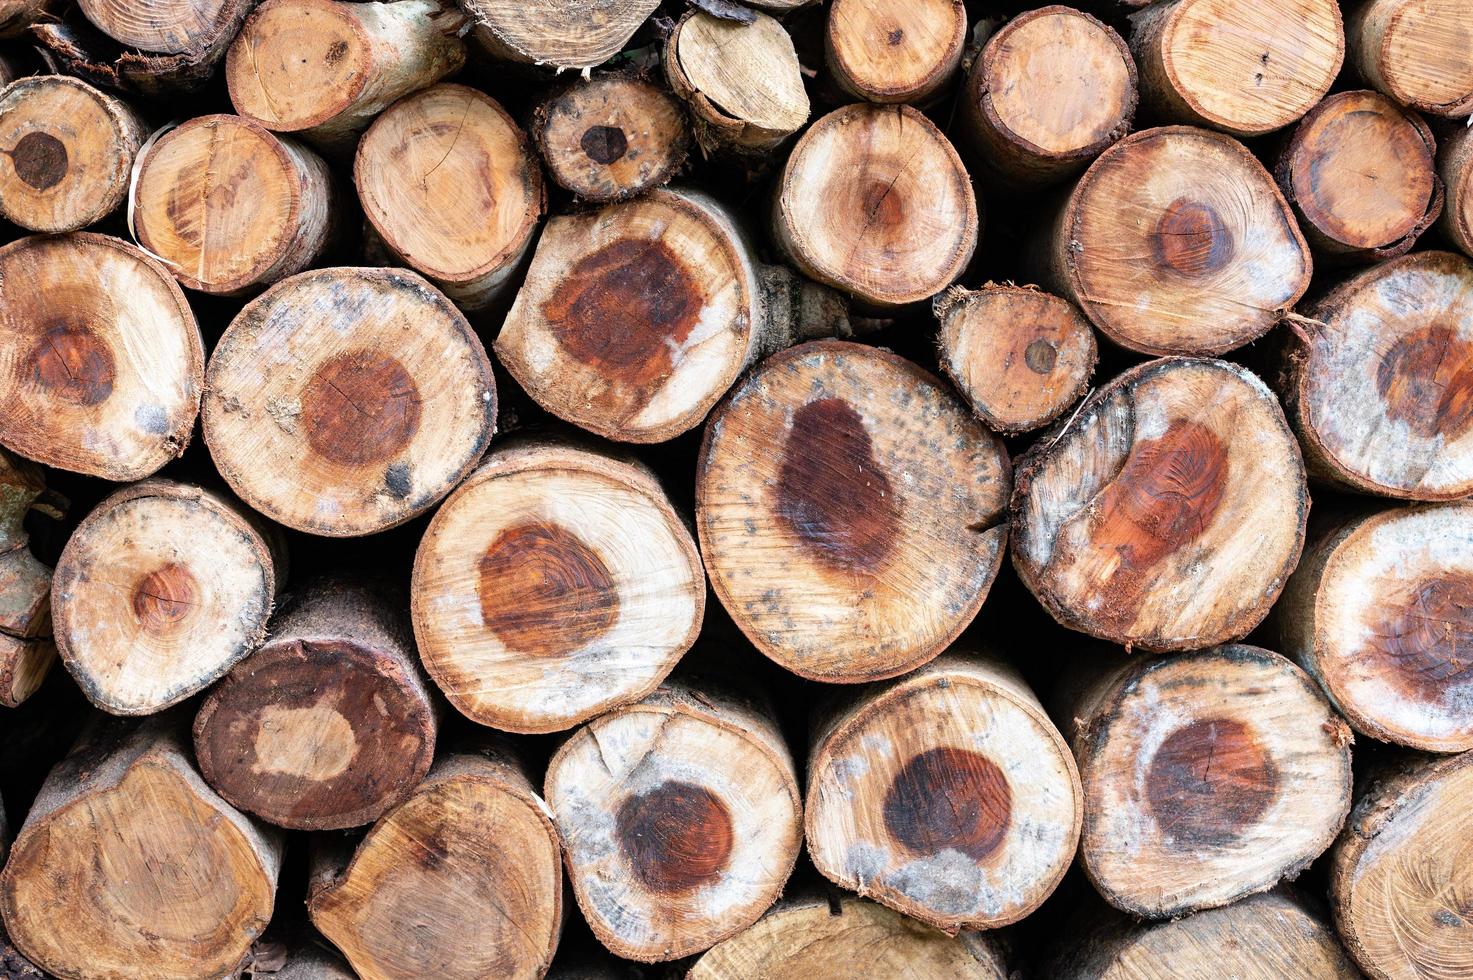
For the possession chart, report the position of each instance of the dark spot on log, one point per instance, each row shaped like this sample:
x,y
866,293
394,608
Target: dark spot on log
x,y
40,160
895,37
604,144
73,364
831,492
949,799
1209,781
336,52
163,597
883,205
678,836
1425,641
1191,240
1426,381
396,480
1041,356
544,592
360,408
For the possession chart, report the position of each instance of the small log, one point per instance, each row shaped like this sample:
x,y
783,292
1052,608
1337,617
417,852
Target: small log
x,y
1051,90
681,817
846,936
450,184
1415,51
343,402
157,47
1246,68
556,34
129,865
1455,165
948,796
107,356
330,723
635,319
1402,873
461,880
1018,355
894,50
1379,380
532,615
844,490
70,153
26,649
161,590
1380,612
741,80
324,69
1207,777
229,206
1129,523
16,16
611,137
309,961
1176,241
875,201
1360,174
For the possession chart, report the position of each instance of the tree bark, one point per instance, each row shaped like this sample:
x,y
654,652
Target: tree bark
x,y
1455,165
894,50
70,153
681,819
26,648
109,361
1129,524
468,228
325,69
1176,241
1378,380
635,319
461,880
851,537
1207,777
875,201
130,865
16,16
1415,51
918,798
346,401
556,34
533,615
1246,69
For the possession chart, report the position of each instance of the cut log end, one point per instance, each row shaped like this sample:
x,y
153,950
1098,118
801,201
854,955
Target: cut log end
x,y
556,34
1416,51
1455,165
895,50
26,649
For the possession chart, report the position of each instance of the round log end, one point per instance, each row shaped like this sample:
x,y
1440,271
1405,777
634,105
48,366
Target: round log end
x,y
894,50
1455,165
298,63
557,33
1416,51
612,137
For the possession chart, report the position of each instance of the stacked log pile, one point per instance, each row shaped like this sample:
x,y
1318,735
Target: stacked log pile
x,y
736,489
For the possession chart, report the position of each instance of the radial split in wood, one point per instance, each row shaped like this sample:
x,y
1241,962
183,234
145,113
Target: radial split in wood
x,y
1455,165
26,649
1416,51
556,33
894,50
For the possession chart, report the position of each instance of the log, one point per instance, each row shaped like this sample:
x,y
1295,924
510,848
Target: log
x,y
461,880
1128,524
71,150
26,648
107,354
229,206
309,961
680,816
846,936
1246,69
1455,166
330,723
157,47
1176,241
1415,51
468,228
1380,612
129,865
1051,90
161,590
894,50
611,137
343,402
1401,874
1359,173
16,16
948,796
1207,777
553,585
635,319
1018,355
556,34
875,201
325,69
741,80
1379,380
849,509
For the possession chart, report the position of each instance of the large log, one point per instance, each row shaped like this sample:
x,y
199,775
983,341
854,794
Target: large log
x,y
556,583
1455,165
108,361
556,33
1415,51
947,795
345,401
681,820
26,649
1129,523
1207,777
129,865
894,50
850,511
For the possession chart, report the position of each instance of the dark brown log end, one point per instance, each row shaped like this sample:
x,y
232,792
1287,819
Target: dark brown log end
x,y
678,836
73,364
163,597
1424,643
1191,239
361,407
40,160
1209,781
544,591
1426,381
949,798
